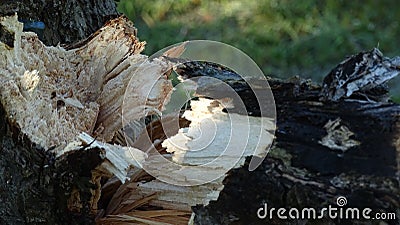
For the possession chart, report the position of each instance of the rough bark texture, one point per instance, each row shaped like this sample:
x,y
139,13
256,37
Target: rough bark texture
x,y
34,188
301,172
65,22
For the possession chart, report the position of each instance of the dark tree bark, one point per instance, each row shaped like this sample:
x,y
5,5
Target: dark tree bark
x,y
66,22
300,172
35,188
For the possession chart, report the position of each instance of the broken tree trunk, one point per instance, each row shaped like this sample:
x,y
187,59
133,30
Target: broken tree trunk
x,y
302,170
323,150
55,101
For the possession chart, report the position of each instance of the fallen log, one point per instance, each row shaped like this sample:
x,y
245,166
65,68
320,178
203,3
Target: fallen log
x,y
324,150
62,147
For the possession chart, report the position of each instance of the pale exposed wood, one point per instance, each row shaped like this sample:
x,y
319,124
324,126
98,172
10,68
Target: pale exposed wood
x,y
203,112
65,92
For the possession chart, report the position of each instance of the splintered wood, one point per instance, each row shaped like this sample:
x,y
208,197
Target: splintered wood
x,y
66,100
53,95
50,90
208,167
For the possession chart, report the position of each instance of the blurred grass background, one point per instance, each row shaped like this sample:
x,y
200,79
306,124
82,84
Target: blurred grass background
x,y
284,37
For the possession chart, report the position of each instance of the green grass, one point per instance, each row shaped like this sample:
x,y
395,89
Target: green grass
x,y
284,37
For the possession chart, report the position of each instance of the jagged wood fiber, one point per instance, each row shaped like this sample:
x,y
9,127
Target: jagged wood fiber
x,y
54,100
